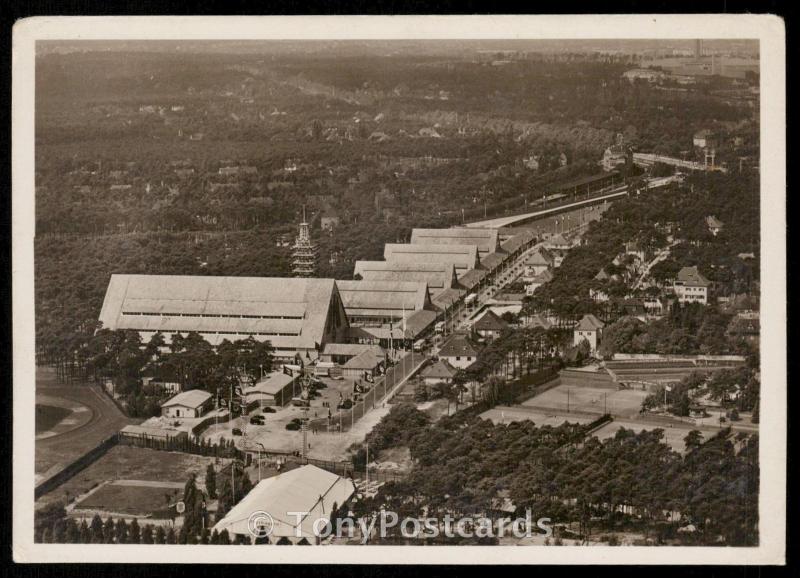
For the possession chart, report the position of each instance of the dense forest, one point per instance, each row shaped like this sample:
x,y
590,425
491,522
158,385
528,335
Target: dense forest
x,y
632,482
183,165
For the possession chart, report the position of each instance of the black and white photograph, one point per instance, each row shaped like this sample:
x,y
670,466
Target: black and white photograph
x,y
400,282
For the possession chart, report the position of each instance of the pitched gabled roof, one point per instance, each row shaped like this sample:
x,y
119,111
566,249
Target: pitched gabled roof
x,y
439,370
540,257
558,239
490,322
471,278
539,320
518,241
713,222
305,489
493,260
458,345
691,276
485,239
438,276
271,384
447,297
365,360
601,275
193,398
589,323
461,256
288,312
382,298
544,277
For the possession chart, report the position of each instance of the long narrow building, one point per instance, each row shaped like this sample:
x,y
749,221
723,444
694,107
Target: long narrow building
x,y
485,239
462,257
375,303
438,276
295,315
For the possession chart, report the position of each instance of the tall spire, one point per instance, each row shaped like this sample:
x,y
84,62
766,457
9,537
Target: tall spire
x,y
304,251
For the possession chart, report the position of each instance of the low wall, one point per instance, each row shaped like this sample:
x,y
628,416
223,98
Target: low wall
x,y
76,466
587,378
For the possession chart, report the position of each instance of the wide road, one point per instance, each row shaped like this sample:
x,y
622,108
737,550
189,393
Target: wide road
x,y
53,453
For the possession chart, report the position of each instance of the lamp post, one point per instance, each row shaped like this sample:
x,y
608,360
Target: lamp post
x,y
259,459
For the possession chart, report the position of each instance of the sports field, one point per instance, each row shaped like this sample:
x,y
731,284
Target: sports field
x,y
132,463
585,399
673,434
505,415
133,497
49,415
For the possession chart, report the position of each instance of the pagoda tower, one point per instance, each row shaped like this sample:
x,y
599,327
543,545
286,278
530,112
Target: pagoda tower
x,y
304,252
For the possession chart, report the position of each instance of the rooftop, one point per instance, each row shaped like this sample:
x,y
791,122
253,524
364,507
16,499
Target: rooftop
x,y
458,345
486,239
461,256
304,489
589,323
489,321
691,276
193,398
439,370
289,312
438,276
387,298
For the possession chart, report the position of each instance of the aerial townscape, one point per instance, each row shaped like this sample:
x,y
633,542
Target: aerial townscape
x,y
467,279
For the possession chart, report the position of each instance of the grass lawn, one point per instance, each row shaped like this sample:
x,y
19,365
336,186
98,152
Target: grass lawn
x,y
131,463
130,499
49,415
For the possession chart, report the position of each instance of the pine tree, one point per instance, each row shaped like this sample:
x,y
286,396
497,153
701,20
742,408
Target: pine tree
x,y
109,531
59,532
224,537
72,533
135,535
121,531
171,537
204,536
97,530
147,535
211,481
85,535
214,539
161,536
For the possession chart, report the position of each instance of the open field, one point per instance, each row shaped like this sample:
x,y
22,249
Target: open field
x,y
505,414
126,463
134,497
586,399
673,434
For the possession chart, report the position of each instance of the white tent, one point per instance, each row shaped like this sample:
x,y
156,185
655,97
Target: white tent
x,y
305,489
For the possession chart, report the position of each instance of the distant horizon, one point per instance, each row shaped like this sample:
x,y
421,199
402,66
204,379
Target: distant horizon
x,y
399,47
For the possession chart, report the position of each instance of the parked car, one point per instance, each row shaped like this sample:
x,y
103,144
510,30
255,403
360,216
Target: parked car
x,y
268,409
257,420
236,431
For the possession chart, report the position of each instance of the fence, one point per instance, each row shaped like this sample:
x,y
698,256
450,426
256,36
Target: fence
x,y
184,444
383,388
76,466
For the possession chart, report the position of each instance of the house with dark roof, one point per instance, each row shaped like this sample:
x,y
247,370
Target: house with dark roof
x,y
489,326
589,329
459,351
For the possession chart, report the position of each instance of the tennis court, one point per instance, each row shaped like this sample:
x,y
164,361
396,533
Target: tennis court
x,y
587,399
